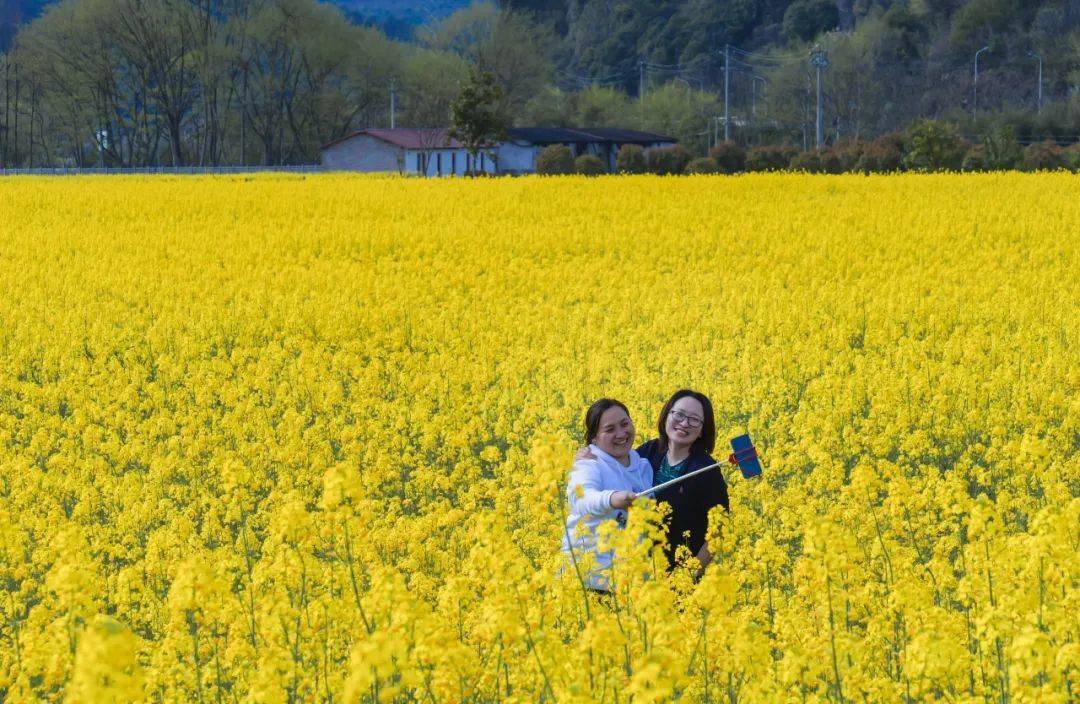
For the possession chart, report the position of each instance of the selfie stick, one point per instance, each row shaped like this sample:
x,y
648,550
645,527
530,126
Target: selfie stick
x,y
744,455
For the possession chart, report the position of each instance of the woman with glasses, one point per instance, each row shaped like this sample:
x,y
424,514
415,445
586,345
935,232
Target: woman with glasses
x,y
687,436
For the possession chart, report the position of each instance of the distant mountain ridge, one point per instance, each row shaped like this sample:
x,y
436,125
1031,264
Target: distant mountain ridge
x,y
398,18
13,14
435,9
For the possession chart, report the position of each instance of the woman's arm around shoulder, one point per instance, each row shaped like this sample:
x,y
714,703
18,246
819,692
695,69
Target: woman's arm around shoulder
x,y
648,450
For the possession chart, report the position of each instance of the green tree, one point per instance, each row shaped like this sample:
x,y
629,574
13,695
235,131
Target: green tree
x,y
601,106
930,145
430,80
1001,149
518,54
697,27
979,21
463,31
551,107
477,117
680,112
510,46
805,19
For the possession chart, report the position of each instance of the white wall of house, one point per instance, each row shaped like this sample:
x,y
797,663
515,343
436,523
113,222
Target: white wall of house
x,y
363,153
445,162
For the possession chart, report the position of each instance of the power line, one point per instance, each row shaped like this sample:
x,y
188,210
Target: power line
x,y
774,58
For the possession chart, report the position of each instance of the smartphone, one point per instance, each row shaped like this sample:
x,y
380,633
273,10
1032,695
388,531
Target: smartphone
x,y
746,456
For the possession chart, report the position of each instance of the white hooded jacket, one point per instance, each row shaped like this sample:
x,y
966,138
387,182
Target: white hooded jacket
x,y
599,479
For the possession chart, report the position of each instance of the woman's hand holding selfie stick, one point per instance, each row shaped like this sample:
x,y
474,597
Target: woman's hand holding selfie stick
x,y
744,455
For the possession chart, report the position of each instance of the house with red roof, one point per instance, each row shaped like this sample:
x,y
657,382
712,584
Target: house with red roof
x,y
428,152
433,152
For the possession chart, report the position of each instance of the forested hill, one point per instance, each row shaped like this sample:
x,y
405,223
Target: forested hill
x,y
600,35
397,18
233,81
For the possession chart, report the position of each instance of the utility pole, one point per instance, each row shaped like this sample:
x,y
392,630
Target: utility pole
x,y
393,102
641,94
819,60
975,85
727,92
1039,99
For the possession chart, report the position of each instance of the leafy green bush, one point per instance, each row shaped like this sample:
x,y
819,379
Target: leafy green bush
x,y
1072,157
884,155
589,165
730,158
667,160
849,153
630,159
555,159
976,159
832,161
930,145
1000,148
1044,156
770,158
702,165
810,162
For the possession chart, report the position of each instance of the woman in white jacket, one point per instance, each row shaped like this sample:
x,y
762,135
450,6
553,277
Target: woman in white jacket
x,y
602,489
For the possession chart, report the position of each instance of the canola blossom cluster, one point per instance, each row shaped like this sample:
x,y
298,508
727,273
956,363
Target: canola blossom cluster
x,y
290,439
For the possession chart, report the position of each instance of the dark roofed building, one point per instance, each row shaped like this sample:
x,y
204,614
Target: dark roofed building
x,y
567,135
518,153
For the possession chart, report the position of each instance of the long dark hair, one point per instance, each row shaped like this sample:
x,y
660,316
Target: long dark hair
x,y
707,441
592,416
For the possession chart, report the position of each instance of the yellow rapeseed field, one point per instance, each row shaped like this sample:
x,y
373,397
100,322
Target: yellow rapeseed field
x,y
292,439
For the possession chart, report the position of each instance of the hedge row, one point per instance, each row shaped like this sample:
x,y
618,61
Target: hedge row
x,y
926,146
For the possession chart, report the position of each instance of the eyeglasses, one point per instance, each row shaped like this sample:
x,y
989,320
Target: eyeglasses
x,y
690,421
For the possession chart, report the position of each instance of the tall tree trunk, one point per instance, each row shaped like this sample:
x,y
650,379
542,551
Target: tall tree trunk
x,y
243,120
30,149
175,148
15,127
4,135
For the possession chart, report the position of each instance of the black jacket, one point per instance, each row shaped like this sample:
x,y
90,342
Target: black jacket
x,y
690,500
